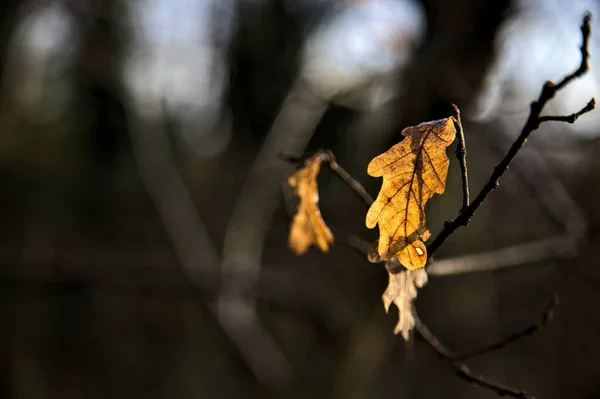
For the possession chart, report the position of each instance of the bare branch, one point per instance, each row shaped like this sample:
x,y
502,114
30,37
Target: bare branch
x,y
533,123
531,329
501,389
462,370
461,155
573,117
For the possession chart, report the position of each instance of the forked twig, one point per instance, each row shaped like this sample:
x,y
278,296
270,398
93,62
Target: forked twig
x,y
547,315
457,360
464,372
534,121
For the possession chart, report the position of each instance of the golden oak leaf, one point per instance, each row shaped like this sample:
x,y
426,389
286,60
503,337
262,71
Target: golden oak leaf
x,y
402,291
308,227
413,170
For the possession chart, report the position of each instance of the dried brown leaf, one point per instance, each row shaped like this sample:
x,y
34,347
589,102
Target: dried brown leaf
x,y
308,227
412,170
402,291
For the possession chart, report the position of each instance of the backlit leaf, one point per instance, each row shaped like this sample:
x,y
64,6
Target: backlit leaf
x,y
412,170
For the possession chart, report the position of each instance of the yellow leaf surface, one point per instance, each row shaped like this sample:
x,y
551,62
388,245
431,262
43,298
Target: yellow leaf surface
x,y
402,291
308,227
412,170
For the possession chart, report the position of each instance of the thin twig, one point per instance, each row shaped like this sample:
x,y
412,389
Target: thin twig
x,y
570,118
345,176
534,121
430,337
532,328
329,159
501,389
461,154
462,370
586,30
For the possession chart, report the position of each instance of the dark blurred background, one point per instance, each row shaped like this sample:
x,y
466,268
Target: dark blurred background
x,y
128,129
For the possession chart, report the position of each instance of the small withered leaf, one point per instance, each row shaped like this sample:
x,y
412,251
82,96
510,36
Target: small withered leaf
x,y
412,170
402,291
308,227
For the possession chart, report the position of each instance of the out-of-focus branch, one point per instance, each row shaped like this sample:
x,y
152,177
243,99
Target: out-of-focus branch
x,y
171,197
291,131
546,316
155,273
242,249
513,256
557,204
191,242
464,372
534,121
